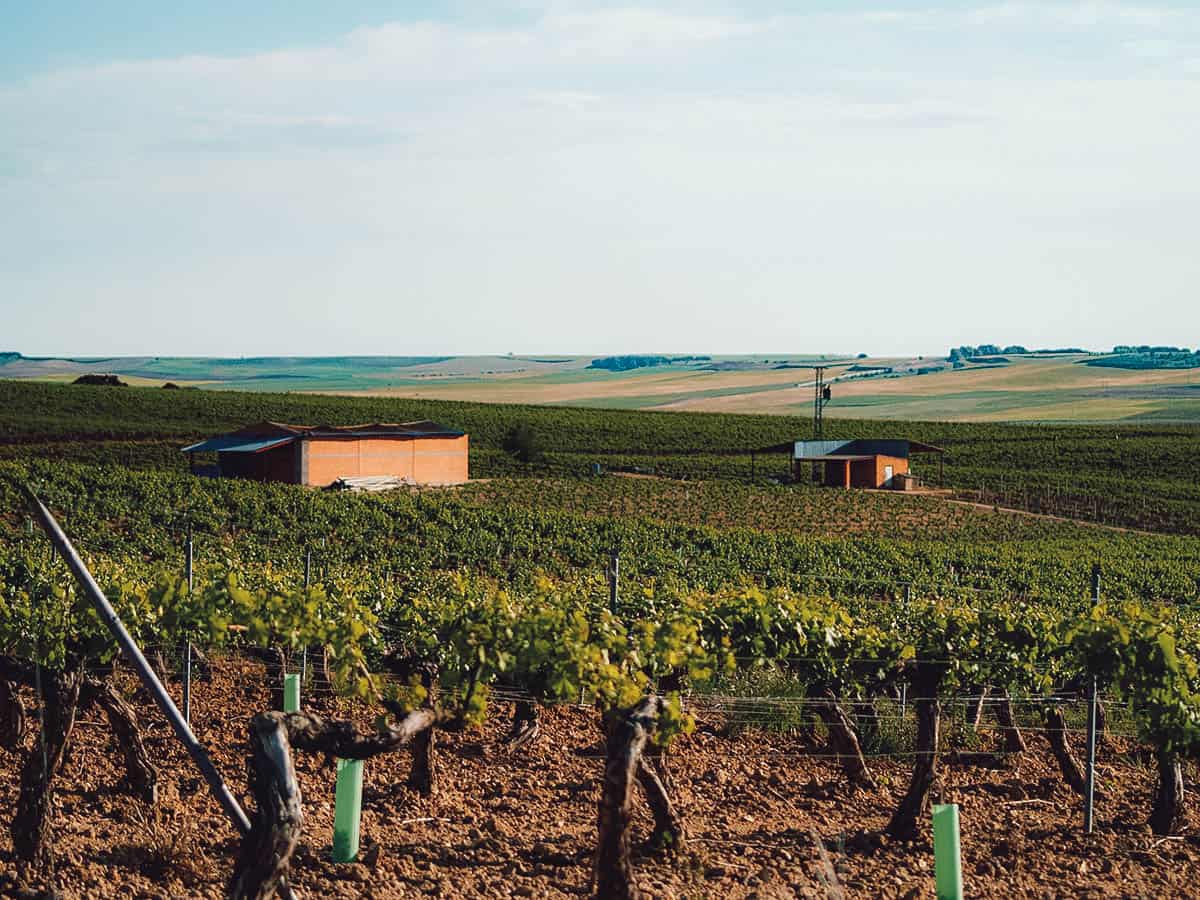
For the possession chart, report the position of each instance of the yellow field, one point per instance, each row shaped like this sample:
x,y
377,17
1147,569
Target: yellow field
x,y
1027,389
1038,389
538,388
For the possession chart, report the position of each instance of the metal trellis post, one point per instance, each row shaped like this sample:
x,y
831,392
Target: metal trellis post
x,y
1089,808
189,553
307,581
614,579
904,686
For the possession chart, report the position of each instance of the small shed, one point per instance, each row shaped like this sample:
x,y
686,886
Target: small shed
x,y
417,452
859,463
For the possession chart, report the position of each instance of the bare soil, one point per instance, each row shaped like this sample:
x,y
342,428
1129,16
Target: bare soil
x,y
524,824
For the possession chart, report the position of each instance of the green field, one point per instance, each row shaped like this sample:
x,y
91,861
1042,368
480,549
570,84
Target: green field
x,y
1068,388
1135,475
87,446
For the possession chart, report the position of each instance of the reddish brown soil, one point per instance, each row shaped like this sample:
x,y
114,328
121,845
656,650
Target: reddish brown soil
x,y
524,824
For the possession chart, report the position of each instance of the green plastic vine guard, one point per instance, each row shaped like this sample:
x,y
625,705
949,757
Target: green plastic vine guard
x,y
291,693
947,866
347,810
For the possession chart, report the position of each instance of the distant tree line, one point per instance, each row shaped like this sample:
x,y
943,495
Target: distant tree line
x,y
1147,357
625,363
967,352
1146,348
104,380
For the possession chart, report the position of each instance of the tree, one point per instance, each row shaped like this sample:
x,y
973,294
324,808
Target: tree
x,y
521,442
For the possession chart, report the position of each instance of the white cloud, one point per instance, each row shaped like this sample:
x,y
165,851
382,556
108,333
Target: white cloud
x,y
1087,13
483,188
624,31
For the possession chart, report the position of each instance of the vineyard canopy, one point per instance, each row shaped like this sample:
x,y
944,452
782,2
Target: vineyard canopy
x,y
421,452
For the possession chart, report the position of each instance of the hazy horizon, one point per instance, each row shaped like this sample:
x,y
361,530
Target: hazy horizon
x,y
98,357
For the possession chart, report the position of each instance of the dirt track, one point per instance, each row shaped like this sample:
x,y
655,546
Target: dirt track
x,y
524,824
988,507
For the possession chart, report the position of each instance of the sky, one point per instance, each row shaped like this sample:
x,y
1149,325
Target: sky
x,y
308,178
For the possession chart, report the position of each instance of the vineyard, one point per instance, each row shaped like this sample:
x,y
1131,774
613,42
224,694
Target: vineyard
x,y
575,684
1135,476
731,504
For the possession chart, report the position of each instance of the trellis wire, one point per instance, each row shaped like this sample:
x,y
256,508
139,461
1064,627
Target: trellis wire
x,y
742,704
772,704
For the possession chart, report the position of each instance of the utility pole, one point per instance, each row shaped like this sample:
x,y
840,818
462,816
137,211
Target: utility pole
x,y
821,395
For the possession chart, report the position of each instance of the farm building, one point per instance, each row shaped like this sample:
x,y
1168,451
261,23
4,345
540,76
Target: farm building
x,y
417,452
858,463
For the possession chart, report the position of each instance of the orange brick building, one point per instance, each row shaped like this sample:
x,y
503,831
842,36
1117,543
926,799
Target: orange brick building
x,y
319,455
858,463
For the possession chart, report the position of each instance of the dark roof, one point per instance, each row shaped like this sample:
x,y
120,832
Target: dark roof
x,y
860,449
423,428
266,435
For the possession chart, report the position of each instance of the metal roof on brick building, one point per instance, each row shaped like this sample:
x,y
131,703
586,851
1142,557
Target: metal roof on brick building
x,y
859,449
266,435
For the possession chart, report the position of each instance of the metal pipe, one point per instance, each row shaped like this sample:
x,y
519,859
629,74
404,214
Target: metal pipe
x,y
134,654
